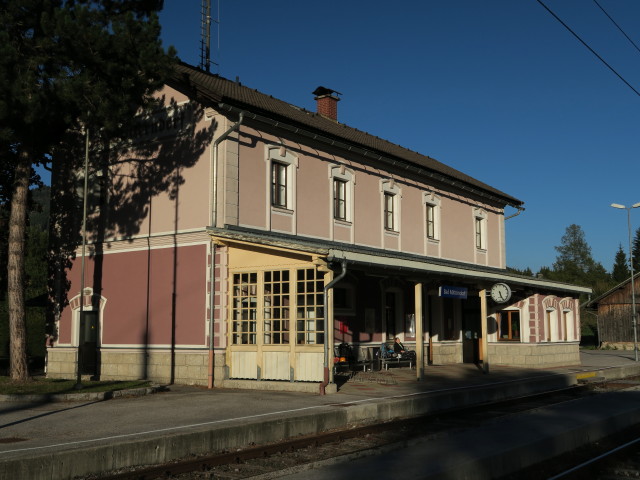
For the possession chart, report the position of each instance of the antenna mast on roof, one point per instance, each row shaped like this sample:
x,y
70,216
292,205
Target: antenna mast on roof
x,y
205,35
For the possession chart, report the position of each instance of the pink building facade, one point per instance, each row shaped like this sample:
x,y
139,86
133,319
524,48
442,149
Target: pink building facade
x,y
254,236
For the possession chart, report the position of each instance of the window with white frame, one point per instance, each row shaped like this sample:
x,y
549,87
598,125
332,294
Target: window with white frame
x,y
279,185
281,165
389,211
342,184
391,206
480,228
339,199
432,216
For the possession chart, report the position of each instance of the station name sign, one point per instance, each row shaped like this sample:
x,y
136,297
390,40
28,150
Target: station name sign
x,y
446,291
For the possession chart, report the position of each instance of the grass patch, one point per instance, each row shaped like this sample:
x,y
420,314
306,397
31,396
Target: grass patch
x,y
47,386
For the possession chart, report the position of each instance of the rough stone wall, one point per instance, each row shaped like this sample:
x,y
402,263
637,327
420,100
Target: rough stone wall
x,y
444,353
190,367
541,355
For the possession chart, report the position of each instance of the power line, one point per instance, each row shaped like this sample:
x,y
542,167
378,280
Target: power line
x,y
590,49
618,26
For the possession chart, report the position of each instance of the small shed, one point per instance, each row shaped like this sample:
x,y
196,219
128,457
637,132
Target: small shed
x,y
614,311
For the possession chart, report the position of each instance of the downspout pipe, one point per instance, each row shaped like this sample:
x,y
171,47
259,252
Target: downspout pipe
x,y
520,210
213,221
328,329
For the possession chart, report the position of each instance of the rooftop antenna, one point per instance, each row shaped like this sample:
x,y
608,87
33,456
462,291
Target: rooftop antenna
x,y
205,35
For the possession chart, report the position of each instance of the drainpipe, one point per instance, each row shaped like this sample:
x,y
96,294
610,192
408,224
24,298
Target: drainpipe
x,y
520,210
213,222
327,327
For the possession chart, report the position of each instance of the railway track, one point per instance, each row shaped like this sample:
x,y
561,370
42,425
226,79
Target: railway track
x,y
612,458
274,460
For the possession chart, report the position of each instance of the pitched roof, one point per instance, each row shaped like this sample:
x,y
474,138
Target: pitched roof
x,y
593,303
213,88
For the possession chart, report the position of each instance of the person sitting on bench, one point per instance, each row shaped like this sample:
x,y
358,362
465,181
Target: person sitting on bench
x,y
400,351
398,347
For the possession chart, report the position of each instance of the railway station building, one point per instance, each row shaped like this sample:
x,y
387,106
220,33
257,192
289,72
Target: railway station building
x,y
238,239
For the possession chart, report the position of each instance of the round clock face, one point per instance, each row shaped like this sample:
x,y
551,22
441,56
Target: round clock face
x,y
500,292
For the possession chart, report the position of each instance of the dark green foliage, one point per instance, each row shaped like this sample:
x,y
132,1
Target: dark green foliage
x,y
635,249
526,272
66,65
574,263
620,271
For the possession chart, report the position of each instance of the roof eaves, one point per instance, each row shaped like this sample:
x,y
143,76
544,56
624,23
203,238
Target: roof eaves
x,y
244,98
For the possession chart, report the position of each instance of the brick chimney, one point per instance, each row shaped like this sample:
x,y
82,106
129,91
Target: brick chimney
x,y
327,102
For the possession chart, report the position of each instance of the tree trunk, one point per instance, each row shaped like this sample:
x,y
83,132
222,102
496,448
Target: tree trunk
x,y
17,231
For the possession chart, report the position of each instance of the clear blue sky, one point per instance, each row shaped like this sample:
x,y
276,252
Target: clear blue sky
x,y
498,89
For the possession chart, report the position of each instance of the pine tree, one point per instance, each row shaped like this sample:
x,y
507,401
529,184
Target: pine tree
x,y
574,263
66,65
620,271
635,251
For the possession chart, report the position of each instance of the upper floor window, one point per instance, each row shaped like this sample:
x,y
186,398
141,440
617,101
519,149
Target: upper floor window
x,y
389,211
480,228
339,199
431,221
391,206
478,232
432,216
343,181
281,165
279,185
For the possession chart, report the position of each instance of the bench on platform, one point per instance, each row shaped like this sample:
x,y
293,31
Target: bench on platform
x,y
388,357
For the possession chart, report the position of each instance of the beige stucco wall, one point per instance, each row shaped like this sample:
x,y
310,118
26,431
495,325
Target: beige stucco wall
x,y
311,211
167,182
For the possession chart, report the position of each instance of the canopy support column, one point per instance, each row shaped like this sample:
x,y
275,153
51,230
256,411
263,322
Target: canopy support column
x,y
483,322
419,333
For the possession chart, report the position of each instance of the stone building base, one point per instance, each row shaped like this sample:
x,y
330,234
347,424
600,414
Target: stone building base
x,y
447,353
528,355
190,367
534,355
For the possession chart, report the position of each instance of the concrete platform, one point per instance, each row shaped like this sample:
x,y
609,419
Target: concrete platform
x,y
62,440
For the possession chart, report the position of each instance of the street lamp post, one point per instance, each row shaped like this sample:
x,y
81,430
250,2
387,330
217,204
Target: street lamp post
x,y
633,289
78,385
